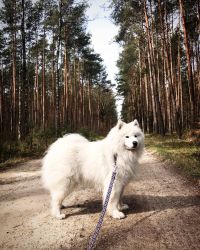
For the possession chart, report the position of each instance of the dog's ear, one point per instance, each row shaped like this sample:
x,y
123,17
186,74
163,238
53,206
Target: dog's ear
x,y
135,123
120,124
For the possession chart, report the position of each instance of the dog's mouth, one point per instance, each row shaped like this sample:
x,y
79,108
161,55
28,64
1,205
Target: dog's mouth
x,y
131,149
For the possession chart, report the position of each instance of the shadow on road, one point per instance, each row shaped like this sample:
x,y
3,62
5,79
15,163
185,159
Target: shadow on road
x,y
141,203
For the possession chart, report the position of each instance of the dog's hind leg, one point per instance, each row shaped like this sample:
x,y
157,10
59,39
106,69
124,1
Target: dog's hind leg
x,y
121,205
57,198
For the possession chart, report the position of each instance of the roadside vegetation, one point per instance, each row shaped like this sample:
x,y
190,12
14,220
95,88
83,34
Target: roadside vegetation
x,y
159,64
184,153
51,79
35,145
159,75
52,82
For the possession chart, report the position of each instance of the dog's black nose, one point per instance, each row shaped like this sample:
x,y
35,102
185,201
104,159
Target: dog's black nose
x,y
135,144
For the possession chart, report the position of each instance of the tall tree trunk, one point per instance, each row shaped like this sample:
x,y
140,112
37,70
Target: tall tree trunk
x,y
168,79
44,112
160,124
66,95
57,120
98,109
36,92
141,85
53,84
24,111
147,103
179,100
79,93
90,121
83,101
13,101
1,102
189,70
75,94
150,65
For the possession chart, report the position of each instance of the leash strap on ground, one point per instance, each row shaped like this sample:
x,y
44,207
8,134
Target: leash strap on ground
x,y
93,238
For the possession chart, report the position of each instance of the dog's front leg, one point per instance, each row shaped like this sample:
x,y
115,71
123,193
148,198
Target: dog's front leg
x,y
113,205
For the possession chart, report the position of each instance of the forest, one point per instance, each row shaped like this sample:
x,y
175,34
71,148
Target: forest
x,y
51,80
159,67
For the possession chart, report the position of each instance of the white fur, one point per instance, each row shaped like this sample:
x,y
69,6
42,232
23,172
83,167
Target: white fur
x,y
72,161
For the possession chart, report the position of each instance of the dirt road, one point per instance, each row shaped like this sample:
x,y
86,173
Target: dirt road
x,y
164,212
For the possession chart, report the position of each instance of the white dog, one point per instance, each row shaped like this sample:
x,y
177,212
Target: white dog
x,y
73,160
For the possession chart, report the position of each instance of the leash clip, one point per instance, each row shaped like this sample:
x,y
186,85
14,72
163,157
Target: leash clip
x,y
115,158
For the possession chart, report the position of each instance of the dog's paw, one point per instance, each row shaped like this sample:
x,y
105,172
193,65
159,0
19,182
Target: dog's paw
x,y
123,207
117,214
60,216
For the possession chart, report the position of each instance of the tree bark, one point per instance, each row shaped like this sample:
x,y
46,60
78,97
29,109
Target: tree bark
x,y
66,94
158,120
24,111
1,102
188,56
57,119
44,112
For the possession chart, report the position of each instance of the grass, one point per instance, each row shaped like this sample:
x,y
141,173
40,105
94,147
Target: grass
x,y
184,153
13,152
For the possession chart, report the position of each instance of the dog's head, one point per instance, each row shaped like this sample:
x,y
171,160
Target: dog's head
x,y
131,136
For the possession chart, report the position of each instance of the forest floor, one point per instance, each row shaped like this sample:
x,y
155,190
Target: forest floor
x,y
164,212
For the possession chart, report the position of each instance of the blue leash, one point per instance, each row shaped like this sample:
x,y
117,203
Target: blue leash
x,y
93,238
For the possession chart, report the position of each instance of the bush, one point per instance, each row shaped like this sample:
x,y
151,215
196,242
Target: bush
x,y
36,144
90,135
183,152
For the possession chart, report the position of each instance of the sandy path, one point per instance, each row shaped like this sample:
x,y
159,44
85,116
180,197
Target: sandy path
x,y
164,212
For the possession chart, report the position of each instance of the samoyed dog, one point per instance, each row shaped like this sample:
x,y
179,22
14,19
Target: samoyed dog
x,y
74,161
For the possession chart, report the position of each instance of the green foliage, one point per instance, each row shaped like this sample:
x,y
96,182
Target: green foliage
x,y
184,153
90,135
154,68
34,145
63,82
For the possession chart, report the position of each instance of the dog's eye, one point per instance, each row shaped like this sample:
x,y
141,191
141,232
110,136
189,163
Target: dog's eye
x,y
127,136
135,135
